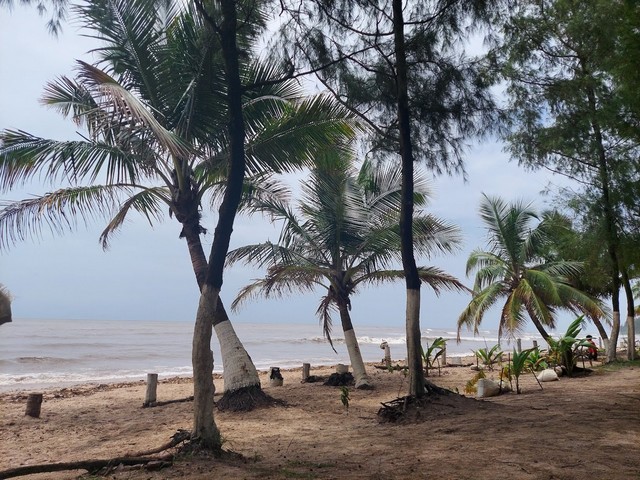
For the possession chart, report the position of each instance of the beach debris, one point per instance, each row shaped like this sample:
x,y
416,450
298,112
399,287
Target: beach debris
x,y
340,379
34,403
245,399
547,375
275,377
487,388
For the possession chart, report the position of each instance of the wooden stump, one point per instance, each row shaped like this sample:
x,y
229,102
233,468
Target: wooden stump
x,y
152,387
306,370
34,403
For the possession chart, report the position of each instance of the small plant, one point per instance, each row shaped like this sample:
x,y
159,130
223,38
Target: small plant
x,y
432,353
489,356
344,398
562,350
537,360
472,385
519,364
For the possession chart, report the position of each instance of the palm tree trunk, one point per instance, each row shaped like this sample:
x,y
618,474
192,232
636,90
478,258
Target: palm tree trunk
x,y
355,356
205,431
238,368
543,332
414,358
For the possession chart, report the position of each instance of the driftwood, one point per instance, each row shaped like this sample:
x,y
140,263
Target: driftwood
x,y
92,466
106,465
340,379
167,402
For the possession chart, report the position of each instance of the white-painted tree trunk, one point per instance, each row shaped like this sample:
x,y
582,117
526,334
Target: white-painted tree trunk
x,y
355,356
204,427
239,370
613,339
631,337
414,354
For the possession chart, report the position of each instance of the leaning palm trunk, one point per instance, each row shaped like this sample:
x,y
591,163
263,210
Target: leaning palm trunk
x,y
5,306
205,431
355,356
238,369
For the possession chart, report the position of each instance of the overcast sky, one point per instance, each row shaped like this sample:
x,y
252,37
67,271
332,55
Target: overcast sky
x,y
147,272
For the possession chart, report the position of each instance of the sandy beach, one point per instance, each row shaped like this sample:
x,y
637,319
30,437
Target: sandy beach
x,y
587,427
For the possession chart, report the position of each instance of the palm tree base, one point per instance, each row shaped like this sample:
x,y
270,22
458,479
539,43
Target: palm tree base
x,y
245,399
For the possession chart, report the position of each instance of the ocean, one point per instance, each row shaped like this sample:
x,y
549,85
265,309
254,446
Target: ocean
x,y
37,354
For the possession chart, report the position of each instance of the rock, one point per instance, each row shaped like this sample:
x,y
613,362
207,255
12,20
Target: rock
x,y
548,375
487,388
559,370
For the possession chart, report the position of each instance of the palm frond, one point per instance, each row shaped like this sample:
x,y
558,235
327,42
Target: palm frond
x,y
148,202
58,211
483,300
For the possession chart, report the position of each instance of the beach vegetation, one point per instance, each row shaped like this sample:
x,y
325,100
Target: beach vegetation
x,y
432,354
562,350
342,236
566,66
519,363
489,356
398,67
471,387
537,360
512,271
158,142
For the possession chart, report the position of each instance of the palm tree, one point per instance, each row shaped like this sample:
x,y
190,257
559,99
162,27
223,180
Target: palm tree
x,y
157,136
344,234
509,271
5,305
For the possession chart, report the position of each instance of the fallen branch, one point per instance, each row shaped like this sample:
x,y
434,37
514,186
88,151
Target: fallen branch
x,y
92,466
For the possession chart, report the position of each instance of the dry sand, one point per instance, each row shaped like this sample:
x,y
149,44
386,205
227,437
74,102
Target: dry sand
x,y
579,428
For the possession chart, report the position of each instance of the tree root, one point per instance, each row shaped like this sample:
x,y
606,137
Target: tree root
x,y
246,399
408,408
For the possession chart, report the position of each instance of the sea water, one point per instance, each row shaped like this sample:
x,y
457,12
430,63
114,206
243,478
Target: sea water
x,y
55,353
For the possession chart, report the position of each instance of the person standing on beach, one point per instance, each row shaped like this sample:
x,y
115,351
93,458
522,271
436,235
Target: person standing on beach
x,y
592,353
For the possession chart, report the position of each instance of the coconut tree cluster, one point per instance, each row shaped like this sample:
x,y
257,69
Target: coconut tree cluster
x,y
183,115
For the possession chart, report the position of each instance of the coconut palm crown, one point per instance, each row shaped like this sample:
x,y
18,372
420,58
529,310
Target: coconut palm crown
x,y
154,110
344,234
511,270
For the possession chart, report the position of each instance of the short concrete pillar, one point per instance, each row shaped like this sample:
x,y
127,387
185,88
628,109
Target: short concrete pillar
x,y
342,368
387,353
535,344
518,345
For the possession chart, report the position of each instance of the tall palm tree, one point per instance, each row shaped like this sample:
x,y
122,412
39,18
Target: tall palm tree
x,y
157,138
344,234
510,270
5,305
